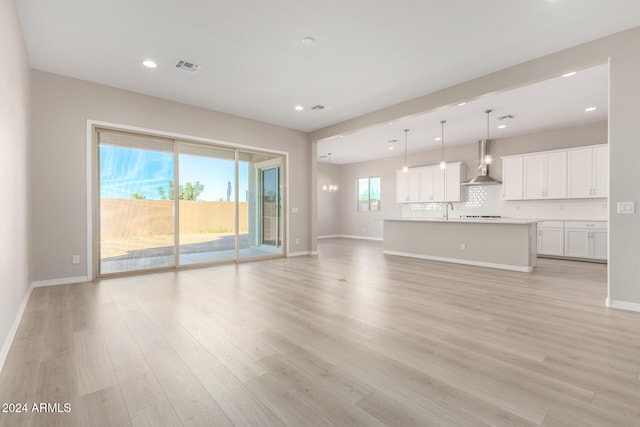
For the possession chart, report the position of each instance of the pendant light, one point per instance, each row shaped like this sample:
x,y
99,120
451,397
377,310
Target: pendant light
x,y
331,188
487,158
443,164
405,168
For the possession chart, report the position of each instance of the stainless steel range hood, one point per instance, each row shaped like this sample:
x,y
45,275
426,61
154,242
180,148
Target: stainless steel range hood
x,y
483,177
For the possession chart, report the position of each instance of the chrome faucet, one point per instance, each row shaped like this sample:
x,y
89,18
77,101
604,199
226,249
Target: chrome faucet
x,y
446,210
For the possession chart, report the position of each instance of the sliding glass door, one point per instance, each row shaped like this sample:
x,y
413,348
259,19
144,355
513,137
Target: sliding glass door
x,y
170,204
136,225
206,179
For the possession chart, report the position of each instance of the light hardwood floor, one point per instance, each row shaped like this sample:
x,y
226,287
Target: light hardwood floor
x,y
349,337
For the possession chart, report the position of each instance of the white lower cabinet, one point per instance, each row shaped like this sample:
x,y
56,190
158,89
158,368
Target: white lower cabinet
x,y
585,239
573,239
551,238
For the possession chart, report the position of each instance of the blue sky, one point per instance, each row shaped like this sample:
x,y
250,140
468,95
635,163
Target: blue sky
x,y
124,171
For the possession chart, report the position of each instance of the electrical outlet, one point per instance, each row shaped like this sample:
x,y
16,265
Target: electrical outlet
x,y
75,259
297,240
463,246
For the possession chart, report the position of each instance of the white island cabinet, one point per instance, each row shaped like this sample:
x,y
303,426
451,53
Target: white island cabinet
x,y
507,244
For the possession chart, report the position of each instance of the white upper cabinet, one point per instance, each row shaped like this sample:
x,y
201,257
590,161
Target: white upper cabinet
x,y
453,178
545,175
561,174
534,177
601,171
512,176
429,184
588,172
556,175
408,186
439,182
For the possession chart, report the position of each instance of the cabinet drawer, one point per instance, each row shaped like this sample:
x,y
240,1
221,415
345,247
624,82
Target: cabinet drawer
x,y
600,225
551,224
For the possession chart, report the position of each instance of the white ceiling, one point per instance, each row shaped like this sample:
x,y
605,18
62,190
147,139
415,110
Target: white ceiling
x,y
367,55
554,103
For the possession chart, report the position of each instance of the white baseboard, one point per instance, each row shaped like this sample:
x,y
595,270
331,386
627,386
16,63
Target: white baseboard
x,y
623,305
346,236
300,253
509,267
4,352
62,281
376,239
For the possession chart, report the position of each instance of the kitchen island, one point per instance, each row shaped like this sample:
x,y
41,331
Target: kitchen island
x,y
507,244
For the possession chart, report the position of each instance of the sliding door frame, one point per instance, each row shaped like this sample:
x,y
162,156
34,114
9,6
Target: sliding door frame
x,y
93,193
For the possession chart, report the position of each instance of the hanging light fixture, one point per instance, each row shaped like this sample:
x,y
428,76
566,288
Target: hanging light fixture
x,y
487,158
405,168
443,164
331,188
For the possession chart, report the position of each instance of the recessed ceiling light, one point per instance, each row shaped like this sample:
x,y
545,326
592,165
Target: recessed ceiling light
x,y
298,108
502,126
461,104
437,138
572,73
391,148
149,63
308,41
589,109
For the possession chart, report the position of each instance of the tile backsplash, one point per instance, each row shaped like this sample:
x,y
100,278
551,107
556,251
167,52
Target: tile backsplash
x,y
487,200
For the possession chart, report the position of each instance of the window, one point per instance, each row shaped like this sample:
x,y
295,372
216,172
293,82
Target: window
x,y
369,194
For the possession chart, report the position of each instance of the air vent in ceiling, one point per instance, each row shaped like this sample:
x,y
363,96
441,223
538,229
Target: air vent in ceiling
x,y
508,116
187,66
319,107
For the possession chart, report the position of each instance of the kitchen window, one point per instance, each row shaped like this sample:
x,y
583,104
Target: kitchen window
x,y
369,194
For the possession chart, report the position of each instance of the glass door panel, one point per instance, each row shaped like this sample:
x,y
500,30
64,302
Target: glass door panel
x,y
270,206
264,198
136,226
206,204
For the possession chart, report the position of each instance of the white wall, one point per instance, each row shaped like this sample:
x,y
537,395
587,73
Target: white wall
x,y
624,136
14,152
367,224
622,51
61,107
328,203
